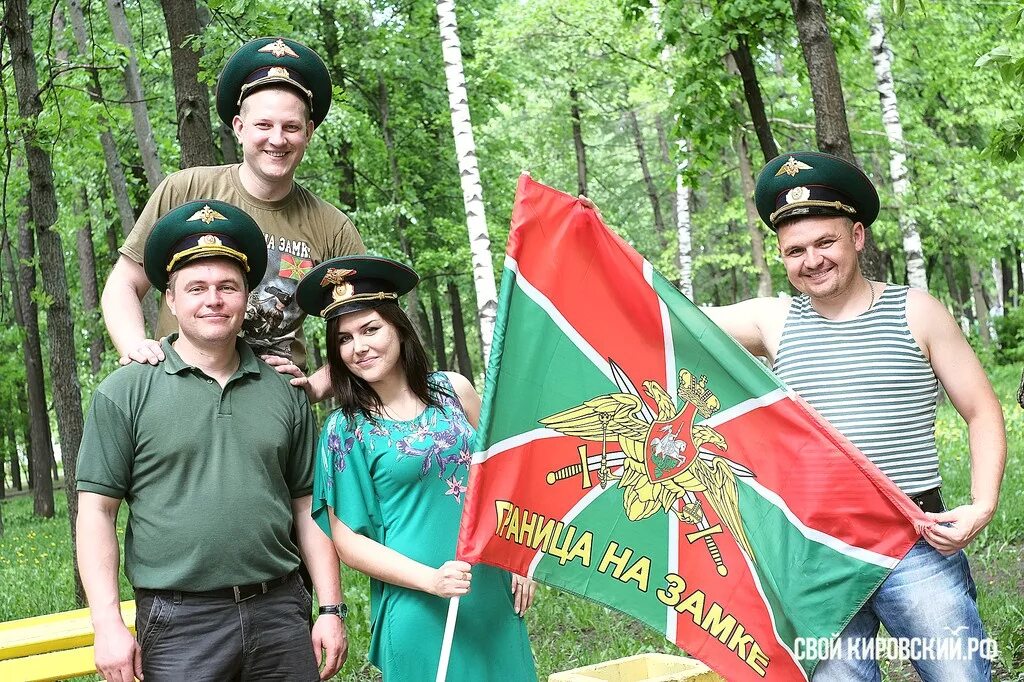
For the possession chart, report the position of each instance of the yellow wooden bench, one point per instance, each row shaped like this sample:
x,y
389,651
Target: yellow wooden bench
x,y
51,647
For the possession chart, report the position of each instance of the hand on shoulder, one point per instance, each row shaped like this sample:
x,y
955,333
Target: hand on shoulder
x,y
145,351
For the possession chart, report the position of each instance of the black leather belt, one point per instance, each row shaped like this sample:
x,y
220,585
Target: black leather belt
x,y
930,501
238,593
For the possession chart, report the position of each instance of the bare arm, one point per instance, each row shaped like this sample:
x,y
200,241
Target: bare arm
x,y
385,564
118,657
756,324
122,313
330,640
970,392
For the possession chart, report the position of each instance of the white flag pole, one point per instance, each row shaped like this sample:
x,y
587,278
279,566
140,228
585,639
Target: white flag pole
x,y
446,643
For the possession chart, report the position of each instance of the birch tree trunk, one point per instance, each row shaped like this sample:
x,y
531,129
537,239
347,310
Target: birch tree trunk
x,y
112,160
67,394
191,97
136,99
472,191
881,55
682,200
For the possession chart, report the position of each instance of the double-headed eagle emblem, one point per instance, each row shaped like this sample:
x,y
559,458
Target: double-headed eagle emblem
x,y
666,459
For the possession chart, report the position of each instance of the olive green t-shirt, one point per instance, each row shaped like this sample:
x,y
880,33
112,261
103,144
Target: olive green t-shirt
x,y
301,231
209,473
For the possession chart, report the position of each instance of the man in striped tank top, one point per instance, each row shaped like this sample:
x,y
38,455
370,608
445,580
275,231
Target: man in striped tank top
x,y
869,357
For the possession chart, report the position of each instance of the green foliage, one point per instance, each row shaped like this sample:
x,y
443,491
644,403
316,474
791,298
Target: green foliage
x,y
1010,335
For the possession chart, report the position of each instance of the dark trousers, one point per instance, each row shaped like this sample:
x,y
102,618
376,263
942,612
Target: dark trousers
x,y
188,637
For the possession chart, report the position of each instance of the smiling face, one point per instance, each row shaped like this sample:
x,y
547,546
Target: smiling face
x,y
369,346
208,297
274,129
820,254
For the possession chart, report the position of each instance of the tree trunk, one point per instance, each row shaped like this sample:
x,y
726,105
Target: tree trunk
x,y
136,99
39,449
12,438
60,325
440,352
397,196
665,155
342,154
1007,274
90,288
1019,267
472,190
577,139
980,307
764,275
228,146
831,128
681,201
882,57
459,332
652,190
111,159
819,52
957,293
24,420
191,97
744,62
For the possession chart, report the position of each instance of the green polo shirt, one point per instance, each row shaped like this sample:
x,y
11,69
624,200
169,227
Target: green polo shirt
x,y
208,473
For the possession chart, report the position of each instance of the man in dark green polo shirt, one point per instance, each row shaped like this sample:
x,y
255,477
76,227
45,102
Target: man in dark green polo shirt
x,y
212,450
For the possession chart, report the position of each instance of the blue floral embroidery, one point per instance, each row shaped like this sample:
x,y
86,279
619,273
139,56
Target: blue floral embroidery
x,y
443,441
339,449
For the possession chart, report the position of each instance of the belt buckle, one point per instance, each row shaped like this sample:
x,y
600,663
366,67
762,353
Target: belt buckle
x,y
261,588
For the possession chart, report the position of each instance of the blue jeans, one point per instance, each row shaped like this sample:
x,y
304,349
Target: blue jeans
x,y
929,604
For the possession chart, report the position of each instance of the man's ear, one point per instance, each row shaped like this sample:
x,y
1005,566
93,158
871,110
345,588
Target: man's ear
x,y
859,236
236,125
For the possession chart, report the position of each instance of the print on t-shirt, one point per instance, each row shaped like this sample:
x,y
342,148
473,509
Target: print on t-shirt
x,y
272,317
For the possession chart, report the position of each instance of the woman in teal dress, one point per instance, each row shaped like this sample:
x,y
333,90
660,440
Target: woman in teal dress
x,y
391,472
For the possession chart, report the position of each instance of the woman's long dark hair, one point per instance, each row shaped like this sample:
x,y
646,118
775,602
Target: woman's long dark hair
x,y
355,395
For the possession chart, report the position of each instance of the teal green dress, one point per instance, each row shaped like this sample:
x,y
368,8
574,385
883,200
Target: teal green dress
x,y
402,483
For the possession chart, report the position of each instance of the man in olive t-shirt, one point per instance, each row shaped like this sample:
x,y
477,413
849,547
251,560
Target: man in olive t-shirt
x,y
273,92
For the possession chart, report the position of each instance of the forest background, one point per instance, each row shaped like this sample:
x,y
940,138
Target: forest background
x,y
660,111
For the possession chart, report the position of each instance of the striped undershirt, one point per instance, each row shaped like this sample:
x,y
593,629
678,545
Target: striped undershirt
x,y
868,377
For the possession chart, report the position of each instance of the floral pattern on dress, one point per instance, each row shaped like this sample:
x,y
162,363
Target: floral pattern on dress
x,y
443,441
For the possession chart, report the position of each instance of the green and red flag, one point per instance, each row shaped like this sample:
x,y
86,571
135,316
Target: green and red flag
x,y
631,452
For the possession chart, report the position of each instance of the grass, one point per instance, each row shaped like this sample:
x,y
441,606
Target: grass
x,y
566,631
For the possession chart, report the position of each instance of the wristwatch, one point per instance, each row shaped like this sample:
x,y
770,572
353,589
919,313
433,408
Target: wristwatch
x,y
339,610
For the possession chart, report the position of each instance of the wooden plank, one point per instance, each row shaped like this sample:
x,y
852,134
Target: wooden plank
x,y
52,632
56,665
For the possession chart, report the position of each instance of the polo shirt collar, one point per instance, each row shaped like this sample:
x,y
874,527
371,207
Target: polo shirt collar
x,y
173,364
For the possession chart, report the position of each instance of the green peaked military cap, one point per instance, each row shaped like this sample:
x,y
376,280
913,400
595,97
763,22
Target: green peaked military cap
x,y
350,283
204,229
274,61
813,183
